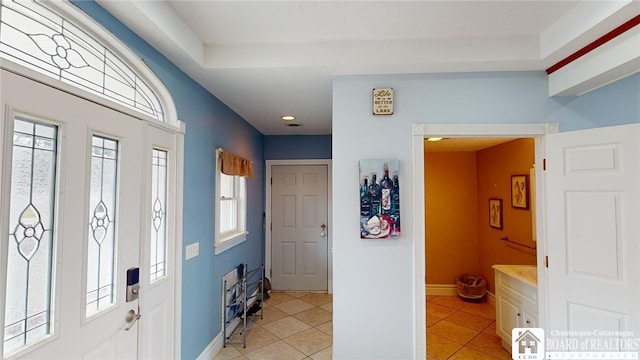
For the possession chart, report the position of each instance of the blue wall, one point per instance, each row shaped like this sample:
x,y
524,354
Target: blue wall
x,y
492,98
287,147
210,124
615,104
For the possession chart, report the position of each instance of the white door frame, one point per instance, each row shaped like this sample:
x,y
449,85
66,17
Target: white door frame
x,y
420,131
267,242
178,200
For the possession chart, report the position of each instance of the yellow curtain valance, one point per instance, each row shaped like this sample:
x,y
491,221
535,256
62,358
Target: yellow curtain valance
x,y
233,164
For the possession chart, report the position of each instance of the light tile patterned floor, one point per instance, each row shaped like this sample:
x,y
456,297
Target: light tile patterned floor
x,y
461,330
299,326
295,326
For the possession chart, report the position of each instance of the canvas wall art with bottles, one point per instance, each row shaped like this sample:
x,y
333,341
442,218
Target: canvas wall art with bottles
x,y
379,199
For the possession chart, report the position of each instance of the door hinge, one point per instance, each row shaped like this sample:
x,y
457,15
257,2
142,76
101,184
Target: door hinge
x,y
270,226
546,261
270,273
544,164
271,181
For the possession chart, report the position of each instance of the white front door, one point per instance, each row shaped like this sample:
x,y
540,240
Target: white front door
x,y
77,214
157,278
593,229
299,237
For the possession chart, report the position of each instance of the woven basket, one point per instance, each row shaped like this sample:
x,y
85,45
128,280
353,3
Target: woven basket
x,y
471,286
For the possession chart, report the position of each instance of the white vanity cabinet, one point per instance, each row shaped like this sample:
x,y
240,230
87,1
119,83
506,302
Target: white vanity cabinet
x,y
516,299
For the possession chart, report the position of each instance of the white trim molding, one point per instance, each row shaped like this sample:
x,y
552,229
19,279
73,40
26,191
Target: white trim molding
x,y
491,299
177,257
485,130
450,290
212,349
419,261
267,243
441,290
614,60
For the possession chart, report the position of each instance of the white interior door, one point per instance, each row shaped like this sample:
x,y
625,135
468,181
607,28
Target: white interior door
x,y
88,170
299,205
593,232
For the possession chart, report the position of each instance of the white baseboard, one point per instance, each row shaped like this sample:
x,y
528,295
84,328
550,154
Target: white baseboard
x,y
213,348
450,290
491,298
217,343
441,289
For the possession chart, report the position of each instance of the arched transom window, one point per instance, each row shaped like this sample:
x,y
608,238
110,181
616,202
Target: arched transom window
x,y
45,37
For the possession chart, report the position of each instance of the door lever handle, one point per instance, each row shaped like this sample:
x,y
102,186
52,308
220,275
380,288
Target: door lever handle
x,y
131,319
323,233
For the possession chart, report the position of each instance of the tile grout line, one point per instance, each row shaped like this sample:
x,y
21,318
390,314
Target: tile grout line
x,y
466,345
284,299
478,332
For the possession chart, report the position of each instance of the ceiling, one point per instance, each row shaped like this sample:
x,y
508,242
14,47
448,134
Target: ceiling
x,y
265,59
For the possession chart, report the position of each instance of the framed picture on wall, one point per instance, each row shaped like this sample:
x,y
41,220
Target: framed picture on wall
x,y
495,213
520,191
379,199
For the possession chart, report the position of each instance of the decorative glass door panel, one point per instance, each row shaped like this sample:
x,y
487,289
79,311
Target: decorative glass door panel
x,y
101,242
157,268
31,238
75,225
158,240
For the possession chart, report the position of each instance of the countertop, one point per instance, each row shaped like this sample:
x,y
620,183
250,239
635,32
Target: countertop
x,y
525,273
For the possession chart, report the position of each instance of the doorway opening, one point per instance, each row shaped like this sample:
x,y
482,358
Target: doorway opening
x,y
479,211
420,133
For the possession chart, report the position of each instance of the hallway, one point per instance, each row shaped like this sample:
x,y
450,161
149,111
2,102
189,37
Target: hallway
x,y
295,326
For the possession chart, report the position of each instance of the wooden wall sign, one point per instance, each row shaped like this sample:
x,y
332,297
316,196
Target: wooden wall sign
x,y
383,101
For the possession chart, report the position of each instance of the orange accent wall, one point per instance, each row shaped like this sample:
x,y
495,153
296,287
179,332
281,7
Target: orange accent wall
x,y
495,167
458,185
450,216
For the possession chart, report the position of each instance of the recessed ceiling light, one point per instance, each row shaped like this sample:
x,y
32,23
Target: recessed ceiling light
x,y
288,117
434,139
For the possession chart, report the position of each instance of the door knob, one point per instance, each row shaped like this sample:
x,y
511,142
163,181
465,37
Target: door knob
x,y
131,319
323,233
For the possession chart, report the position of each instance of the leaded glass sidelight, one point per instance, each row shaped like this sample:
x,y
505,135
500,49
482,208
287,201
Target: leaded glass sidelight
x,y
158,214
30,252
101,241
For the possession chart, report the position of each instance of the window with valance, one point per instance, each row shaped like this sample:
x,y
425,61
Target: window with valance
x,y
231,199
